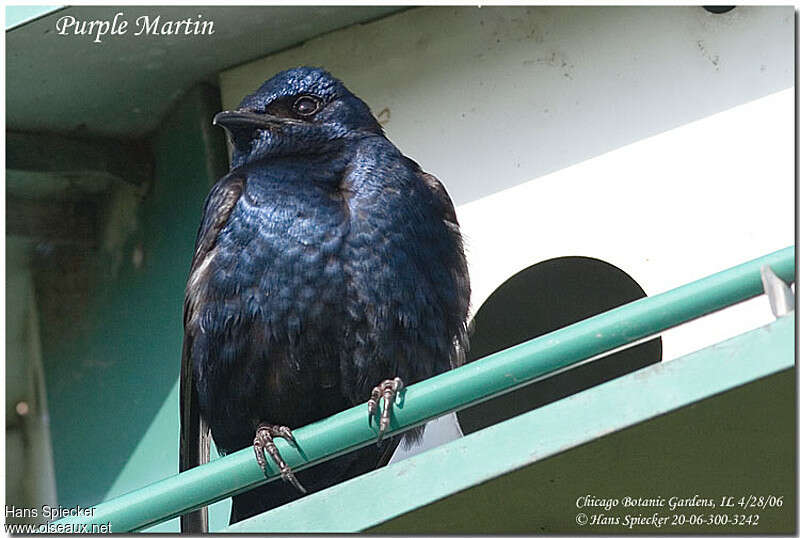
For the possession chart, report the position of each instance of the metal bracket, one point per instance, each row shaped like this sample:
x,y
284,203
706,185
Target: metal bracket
x,y
780,295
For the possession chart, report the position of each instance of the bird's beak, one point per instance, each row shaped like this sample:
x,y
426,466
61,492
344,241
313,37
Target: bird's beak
x,y
242,118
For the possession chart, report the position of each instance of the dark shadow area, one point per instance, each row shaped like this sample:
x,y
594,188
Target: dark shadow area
x,y
540,299
718,10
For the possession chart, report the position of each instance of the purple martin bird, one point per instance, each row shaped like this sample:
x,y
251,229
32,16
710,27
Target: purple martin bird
x,y
328,270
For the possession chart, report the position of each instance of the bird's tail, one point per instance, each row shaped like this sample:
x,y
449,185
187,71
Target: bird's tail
x,y
195,447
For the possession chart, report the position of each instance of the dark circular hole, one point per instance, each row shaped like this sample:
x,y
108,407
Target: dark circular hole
x,y
541,299
718,9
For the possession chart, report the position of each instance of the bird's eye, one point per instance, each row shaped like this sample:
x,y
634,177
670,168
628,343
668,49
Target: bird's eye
x,y
306,105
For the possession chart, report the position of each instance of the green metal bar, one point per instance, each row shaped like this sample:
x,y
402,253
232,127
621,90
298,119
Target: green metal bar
x,y
470,384
356,506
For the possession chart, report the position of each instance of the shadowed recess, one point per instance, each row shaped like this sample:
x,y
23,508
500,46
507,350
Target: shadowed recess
x,y
538,300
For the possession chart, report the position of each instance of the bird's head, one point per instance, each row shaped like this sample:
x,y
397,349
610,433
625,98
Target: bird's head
x,y
304,110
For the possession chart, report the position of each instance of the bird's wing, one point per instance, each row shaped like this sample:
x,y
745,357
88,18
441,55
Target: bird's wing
x,y
195,440
461,276
441,196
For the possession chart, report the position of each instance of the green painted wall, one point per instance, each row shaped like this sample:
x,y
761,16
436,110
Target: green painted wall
x,y
112,382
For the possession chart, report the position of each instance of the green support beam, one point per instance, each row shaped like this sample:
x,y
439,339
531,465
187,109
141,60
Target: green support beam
x,y
70,163
61,222
470,384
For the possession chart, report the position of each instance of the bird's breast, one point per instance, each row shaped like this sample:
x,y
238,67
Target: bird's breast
x,y
278,261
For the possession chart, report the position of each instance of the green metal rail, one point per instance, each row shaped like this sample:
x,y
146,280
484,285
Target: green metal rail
x,y
475,382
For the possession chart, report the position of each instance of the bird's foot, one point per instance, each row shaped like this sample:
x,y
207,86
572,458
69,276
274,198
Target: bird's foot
x,y
265,442
387,391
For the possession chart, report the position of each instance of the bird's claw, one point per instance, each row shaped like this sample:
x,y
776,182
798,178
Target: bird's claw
x,y
265,442
387,391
